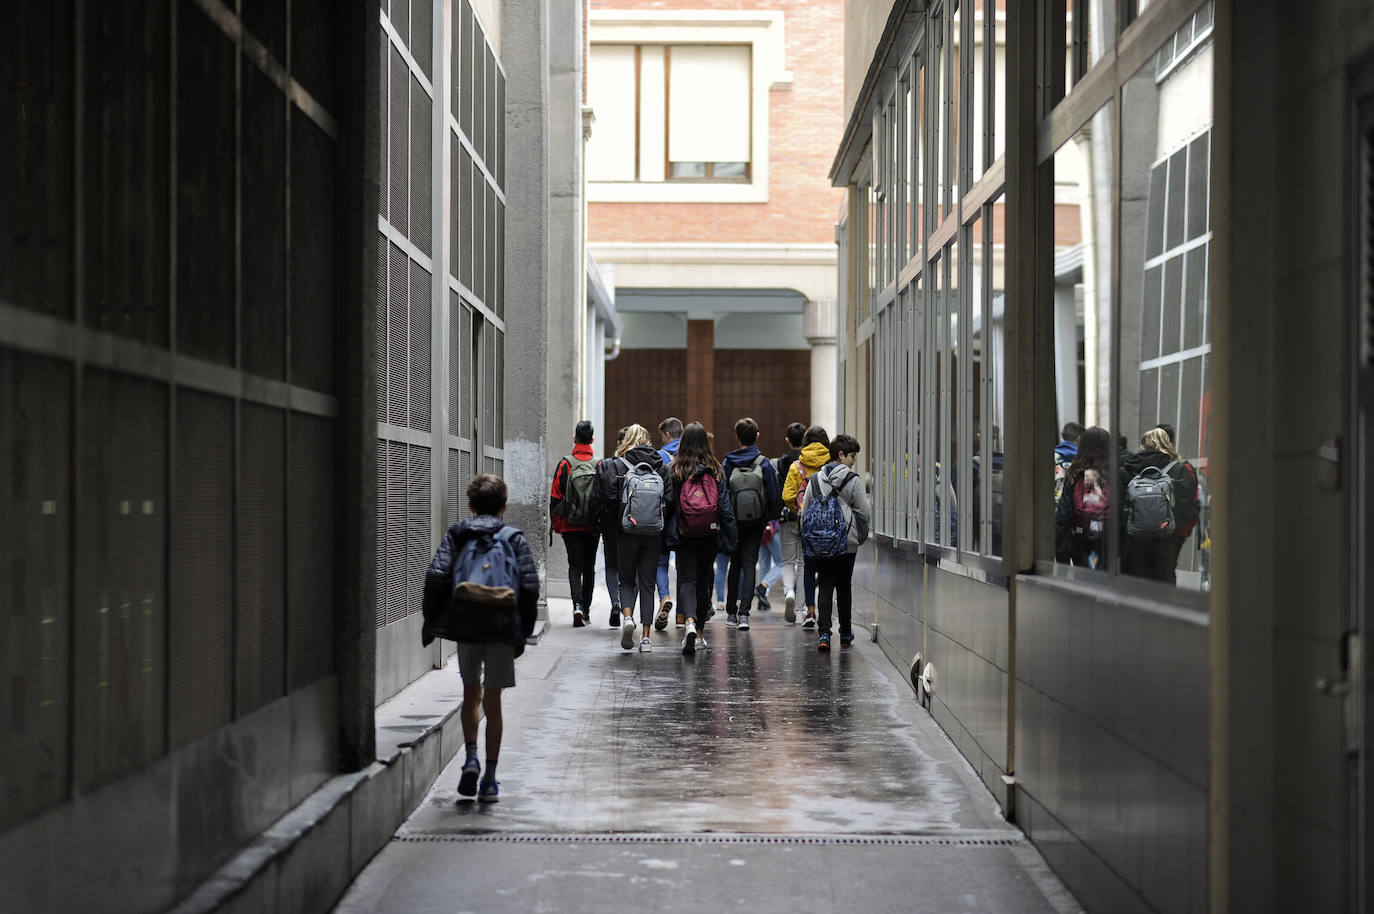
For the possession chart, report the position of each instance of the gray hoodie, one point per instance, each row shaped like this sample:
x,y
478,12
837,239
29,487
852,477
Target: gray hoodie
x,y
835,476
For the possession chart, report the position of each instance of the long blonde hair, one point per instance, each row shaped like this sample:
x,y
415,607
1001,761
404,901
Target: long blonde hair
x,y
635,435
1158,439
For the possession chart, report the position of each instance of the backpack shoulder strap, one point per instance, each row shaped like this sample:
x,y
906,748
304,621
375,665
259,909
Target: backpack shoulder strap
x,y
758,461
1172,464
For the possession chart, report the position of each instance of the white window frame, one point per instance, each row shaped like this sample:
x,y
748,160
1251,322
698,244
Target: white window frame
x,y
763,31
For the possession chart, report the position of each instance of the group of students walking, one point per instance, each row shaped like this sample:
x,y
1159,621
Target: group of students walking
x,y
1158,492
648,503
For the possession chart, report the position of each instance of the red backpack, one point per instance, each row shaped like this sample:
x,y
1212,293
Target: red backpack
x,y
699,506
1092,505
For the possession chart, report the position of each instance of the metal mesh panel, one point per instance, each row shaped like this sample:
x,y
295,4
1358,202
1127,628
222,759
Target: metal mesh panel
x,y
422,36
400,18
489,245
205,190
463,215
455,202
464,76
313,267
383,121
499,268
36,157
396,505
455,378
397,373
421,175
421,330
497,396
456,485
477,214
35,566
200,688
418,526
498,467
467,374
456,61
125,171
382,531
499,166
487,89
398,138
266,19
312,549
263,275
478,75
120,610
489,384
314,47
260,642
379,322
465,474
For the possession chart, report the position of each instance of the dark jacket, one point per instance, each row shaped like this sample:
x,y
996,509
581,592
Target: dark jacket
x,y
728,537
1186,506
439,623
609,472
772,489
558,489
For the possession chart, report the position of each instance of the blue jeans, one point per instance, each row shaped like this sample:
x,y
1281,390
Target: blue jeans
x,y
770,562
722,567
663,590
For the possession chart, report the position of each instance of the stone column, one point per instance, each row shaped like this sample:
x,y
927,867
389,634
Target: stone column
x,y
820,325
701,374
525,54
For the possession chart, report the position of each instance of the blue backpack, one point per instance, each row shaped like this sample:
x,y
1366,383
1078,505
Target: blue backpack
x,y
486,574
825,525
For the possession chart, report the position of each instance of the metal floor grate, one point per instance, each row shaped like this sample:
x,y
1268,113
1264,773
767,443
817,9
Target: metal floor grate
x,y
717,840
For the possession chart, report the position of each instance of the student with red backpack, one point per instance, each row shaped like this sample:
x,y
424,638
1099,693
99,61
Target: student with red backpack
x,y
755,496
700,524
570,507
1083,511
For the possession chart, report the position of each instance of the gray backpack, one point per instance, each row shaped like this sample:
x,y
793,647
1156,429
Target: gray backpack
x,y
641,499
746,491
1150,503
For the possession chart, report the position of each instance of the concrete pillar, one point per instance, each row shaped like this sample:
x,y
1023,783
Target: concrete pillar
x,y
820,325
525,54
701,374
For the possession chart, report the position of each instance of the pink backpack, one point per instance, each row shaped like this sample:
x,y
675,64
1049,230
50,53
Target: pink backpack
x,y
699,506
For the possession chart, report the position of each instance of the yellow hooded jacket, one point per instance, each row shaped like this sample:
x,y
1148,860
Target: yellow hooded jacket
x,y
814,456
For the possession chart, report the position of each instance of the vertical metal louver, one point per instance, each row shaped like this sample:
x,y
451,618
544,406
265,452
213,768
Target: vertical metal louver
x,y
260,629
397,345
383,497
421,174
420,331
422,36
312,512
380,327
455,378
457,488
202,628
397,505
1366,247
399,136
418,510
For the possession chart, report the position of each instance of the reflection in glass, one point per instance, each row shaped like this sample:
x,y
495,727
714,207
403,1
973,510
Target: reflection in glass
x,y
1083,187
1166,338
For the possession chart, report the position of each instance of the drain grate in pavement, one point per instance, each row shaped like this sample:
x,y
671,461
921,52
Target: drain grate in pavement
x,y
714,839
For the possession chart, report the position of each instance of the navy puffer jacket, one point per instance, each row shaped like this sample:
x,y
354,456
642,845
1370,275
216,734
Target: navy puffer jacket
x,y
438,584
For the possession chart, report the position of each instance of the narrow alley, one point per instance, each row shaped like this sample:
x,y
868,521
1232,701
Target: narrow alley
x,y
756,773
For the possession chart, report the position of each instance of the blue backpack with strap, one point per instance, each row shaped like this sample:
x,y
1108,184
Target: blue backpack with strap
x,y
486,575
825,525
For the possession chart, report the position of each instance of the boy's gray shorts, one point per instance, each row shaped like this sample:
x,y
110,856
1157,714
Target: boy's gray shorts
x,y
496,657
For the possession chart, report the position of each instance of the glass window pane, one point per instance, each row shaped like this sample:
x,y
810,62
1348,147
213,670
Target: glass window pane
x,y
994,365
957,460
1165,182
1082,486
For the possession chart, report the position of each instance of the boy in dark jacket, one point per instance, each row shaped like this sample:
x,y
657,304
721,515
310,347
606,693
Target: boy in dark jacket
x,y
578,538
740,579
488,642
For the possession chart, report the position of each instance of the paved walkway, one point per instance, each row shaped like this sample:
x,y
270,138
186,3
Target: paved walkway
x,y
758,772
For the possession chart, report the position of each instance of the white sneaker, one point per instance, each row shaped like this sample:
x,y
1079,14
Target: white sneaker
x,y
627,634
645,645
810,620
701,643
689,640
744,623
789,613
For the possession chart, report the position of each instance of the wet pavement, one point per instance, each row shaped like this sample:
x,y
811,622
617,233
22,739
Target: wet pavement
x,y
758,771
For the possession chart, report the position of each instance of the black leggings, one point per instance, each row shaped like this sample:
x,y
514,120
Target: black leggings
x,y
581,547
834,580
696,561
744,563
637,564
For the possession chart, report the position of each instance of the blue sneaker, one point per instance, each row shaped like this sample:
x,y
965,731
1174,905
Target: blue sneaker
x,y
846,638
467,784
491,792
823,643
